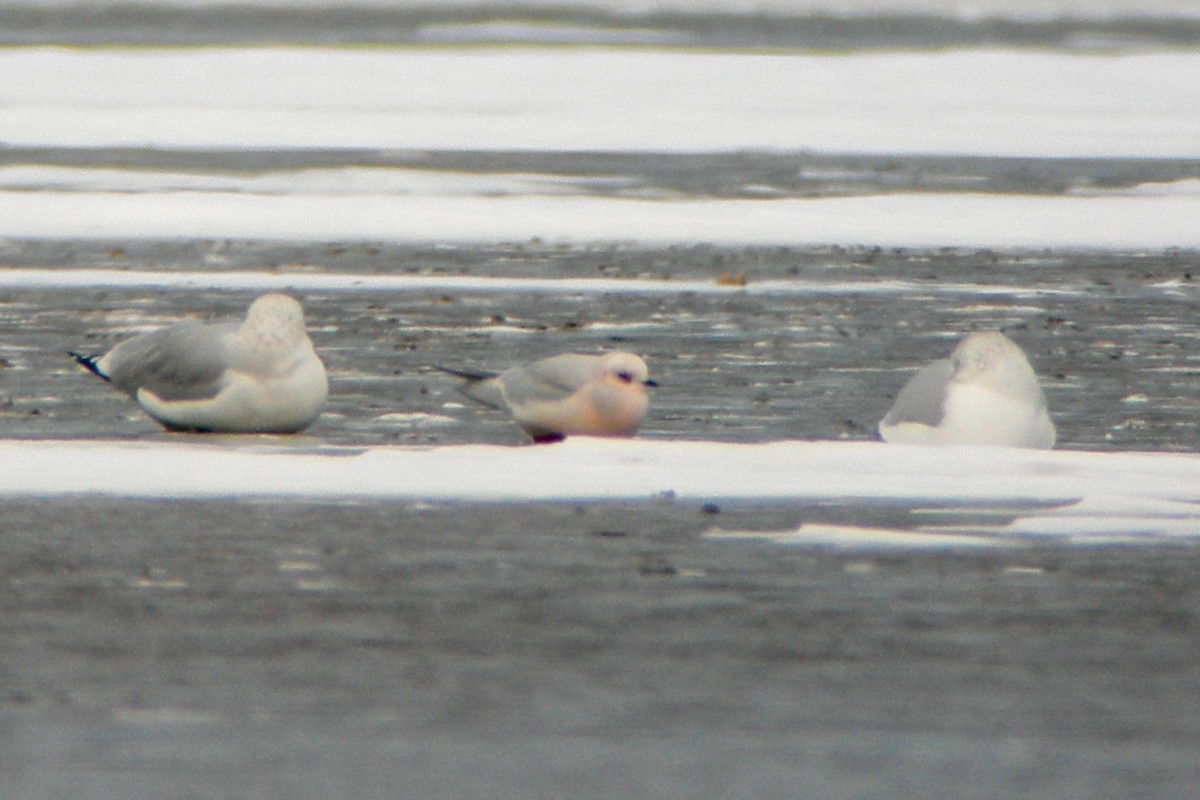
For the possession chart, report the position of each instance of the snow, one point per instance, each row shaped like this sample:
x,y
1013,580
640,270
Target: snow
x,y
965,9
984,102
857,537
981,102
916,220
1063,495
992,102
284,281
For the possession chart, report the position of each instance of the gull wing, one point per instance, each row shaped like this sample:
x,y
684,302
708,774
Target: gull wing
x,y
547,381
186,361
923,399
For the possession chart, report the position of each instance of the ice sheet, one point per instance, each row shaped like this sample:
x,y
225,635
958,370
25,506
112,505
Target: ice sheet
x,y
992,102
1068,497
1149,492
1153,221
283,281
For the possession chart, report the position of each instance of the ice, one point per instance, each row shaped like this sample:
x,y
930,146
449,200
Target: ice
x,y
902,220
990,102
1139,104
858,537
283,281
1071,495
1142,105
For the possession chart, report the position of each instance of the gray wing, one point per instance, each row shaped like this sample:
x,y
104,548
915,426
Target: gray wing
x,y
480,386
182,362
923,398
548,380
486,391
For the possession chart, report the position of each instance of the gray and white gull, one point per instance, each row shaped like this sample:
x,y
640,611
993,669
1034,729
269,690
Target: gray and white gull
x,y
568,395
260,375
985,393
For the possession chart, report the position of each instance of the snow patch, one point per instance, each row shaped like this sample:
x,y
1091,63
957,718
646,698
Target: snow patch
x,y
901,220
988,102
1069,496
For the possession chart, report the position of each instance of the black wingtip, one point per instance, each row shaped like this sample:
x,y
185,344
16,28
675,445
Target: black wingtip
x,y
90,363
470,376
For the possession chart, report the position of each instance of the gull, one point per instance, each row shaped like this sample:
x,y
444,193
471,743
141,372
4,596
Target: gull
x,y
257,376
985,393
568,395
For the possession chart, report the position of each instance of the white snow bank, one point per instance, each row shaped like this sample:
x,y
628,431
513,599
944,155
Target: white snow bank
x,y
1020,103
901,220
306,281
1080,495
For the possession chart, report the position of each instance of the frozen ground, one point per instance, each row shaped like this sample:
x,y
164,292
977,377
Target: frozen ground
x,y
978,148
785,215
1069,497
813,347
472,616
993,102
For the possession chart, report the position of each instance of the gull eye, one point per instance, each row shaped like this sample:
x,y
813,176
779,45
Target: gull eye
x,y
625,377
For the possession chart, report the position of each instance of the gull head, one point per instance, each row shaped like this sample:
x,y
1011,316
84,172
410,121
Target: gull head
x,y
275,316
626,369
992,358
